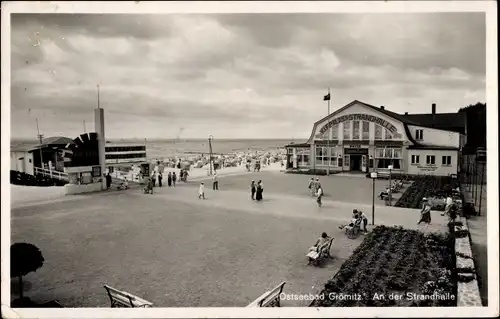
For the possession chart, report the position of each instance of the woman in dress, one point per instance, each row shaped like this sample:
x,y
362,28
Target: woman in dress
x,y
425,214
260,189
169,179
319,195
253,189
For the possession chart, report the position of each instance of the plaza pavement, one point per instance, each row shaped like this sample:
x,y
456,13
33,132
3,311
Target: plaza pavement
x,y
178,251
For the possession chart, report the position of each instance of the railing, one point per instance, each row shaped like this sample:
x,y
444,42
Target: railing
x,y
51,173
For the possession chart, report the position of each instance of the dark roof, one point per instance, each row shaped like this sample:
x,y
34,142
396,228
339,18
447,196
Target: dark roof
x,y
298,145
57,140
444,121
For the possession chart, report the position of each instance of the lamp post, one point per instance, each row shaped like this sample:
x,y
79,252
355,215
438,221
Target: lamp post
x,y
210,138
390,167
374,177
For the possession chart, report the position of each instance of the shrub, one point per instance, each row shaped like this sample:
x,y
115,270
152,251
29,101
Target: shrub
x,y
24,258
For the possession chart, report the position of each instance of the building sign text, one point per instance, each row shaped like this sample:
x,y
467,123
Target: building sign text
x,y
360,117
427,168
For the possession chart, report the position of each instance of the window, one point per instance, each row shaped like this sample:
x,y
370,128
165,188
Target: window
x,y
431,160
388,156
366,130
446,160
29,160
388,135
346,160
415,159
378,132
333,157
321,155
347,130
335,132
355,130
419,135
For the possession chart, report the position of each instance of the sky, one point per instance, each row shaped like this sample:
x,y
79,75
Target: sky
x,y
236,75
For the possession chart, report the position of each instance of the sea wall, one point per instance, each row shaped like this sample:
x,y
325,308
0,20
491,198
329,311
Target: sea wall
x,y
467,287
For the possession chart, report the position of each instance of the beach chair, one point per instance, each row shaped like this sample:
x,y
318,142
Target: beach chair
x,y
315,257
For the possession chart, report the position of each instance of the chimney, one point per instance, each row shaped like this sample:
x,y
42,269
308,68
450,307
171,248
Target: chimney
x,y
382,107
433,114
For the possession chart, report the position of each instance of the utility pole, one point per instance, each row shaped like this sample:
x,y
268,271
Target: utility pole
x,y
40,138
84,128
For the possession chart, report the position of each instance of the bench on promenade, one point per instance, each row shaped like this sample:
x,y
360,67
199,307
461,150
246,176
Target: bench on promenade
x,y
124,299
270,298
322,253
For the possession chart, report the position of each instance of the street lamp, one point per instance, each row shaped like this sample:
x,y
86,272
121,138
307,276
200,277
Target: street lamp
x,y
390,167
210,138
374,177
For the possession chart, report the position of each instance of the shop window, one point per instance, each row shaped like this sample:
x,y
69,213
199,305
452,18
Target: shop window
x,y
446,160
388,156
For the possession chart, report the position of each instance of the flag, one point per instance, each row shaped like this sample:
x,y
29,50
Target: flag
x,y
326,97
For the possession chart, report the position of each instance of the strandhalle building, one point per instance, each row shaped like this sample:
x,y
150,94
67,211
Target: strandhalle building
x,y
361,137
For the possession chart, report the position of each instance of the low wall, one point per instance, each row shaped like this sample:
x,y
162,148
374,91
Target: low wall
x,y
73,189
467,287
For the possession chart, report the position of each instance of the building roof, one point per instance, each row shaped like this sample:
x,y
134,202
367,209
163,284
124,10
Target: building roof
x,y
297,145
445,121
57,140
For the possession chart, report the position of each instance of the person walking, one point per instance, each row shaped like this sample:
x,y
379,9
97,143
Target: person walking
x,y
311,186
319,195
449,203
260,190
253,189
174,179
153,179
201,191
160,177
215,184
316,185
108,181
425,213
169,179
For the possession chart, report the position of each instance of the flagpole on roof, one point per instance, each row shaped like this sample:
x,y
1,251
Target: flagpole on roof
x,y
328,150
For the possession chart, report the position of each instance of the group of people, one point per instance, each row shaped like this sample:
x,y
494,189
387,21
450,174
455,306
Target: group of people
x,y
256,190
358,219
157,178
316,190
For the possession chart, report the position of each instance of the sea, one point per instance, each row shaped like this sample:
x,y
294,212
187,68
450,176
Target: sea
x,y
171,148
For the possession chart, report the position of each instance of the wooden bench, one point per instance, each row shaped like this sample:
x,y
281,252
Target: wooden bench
x,y
270,298
124,299
323,252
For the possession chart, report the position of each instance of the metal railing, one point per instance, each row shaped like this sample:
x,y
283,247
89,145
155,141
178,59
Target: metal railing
x,y
51,173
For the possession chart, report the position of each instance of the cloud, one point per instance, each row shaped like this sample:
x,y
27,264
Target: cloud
x,y
236,75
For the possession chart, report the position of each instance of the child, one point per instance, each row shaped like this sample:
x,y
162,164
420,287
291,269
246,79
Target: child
x,y
201,192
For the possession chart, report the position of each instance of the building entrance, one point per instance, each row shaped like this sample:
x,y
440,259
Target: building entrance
x,y
356,159
355,164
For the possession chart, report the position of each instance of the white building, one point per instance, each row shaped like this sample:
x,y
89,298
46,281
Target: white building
x,y
363,138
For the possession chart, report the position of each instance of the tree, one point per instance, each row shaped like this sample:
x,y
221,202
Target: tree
x,y
24,258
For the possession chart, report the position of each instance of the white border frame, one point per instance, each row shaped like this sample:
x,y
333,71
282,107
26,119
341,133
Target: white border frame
x,y
489,7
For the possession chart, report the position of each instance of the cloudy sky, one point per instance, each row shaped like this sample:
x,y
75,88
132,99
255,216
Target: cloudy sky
x,y
236,75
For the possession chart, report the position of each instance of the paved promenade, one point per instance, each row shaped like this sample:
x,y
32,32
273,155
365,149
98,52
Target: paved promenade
x,y
178,251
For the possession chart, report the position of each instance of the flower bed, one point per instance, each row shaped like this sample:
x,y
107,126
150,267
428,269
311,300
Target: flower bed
x,y
433,187
395,267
